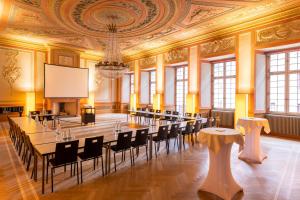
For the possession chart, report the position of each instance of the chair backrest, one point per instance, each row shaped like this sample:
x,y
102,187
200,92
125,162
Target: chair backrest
x,y
175,113
93,147
174,130
66,152
189,127
141,136
151,110
168,112
163,132
158,111
197,126
188,114
124,140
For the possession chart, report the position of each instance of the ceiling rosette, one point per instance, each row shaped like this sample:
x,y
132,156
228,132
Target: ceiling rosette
x,y
134,18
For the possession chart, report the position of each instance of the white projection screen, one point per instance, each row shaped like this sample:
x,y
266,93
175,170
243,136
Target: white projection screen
x,y
61,81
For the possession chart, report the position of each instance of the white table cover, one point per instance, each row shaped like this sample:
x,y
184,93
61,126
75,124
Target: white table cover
x,y
219,180
252,151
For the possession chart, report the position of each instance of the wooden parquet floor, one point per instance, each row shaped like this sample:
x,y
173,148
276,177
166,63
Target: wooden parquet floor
x,y
174,176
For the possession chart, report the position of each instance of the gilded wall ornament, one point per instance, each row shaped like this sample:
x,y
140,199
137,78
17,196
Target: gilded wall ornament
x,y
284,31
11,72
176,56
220,46
147,62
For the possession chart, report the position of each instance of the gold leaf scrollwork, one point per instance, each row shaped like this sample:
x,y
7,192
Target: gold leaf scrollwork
x,y
11,72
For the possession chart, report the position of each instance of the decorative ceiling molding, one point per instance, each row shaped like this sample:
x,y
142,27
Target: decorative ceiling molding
x,y
147,62
176,56
225,32
217,47
284,31
146,27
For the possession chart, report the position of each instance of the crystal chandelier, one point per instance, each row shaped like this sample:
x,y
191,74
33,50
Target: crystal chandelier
x,y
112,66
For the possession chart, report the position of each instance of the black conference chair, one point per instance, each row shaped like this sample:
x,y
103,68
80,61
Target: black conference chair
x,y
141,139
123,144
92,150
197,127
168,118
65,154
189,129
175,118
173,134
162,135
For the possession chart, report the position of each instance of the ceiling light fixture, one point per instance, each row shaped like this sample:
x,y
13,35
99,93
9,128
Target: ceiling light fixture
x,y
112,66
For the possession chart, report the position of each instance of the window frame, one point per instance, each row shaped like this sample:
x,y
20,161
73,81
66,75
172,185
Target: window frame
x,y
181,80
131,84
224,77
286,73
150,84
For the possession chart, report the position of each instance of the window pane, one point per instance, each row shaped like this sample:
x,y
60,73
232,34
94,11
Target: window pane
x,y
294,92
218,69
294,60
131,83
230,68
218,93
277,62
277,93
230,93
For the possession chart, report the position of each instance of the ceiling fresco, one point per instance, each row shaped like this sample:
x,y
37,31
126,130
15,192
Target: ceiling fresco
x,y
142,24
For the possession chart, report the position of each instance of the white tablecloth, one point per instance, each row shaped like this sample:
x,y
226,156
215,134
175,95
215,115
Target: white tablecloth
x,y
252,151
219,180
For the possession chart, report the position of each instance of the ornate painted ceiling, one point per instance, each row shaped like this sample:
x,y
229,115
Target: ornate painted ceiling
x,y
142,24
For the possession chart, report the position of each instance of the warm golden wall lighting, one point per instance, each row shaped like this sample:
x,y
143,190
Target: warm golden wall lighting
x,y
30,102
132,101
245,76
241,106
91,99
156,101
160,74
136,76
193,69
190,103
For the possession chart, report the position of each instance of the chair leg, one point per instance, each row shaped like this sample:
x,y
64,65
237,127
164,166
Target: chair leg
x,y
47,168
94,163
77,172
28,162
130,156
137,151
147,152
155,149
71,170
115,162
51,179
102,166
81,171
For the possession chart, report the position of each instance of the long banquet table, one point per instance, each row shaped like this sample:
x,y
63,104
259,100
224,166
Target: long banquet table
x,y
162,114
44,140
29,125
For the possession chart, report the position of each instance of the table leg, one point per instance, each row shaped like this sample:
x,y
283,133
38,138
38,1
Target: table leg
x,y
43,176
180,140
150,147
109,152
219,180
35,166
252,151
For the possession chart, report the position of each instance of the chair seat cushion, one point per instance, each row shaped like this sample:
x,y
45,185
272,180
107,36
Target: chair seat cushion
x,y
135,144
54,162
157,139
115,148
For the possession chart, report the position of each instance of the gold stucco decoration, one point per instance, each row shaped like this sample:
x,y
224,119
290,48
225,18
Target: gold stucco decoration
x,y
10,71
